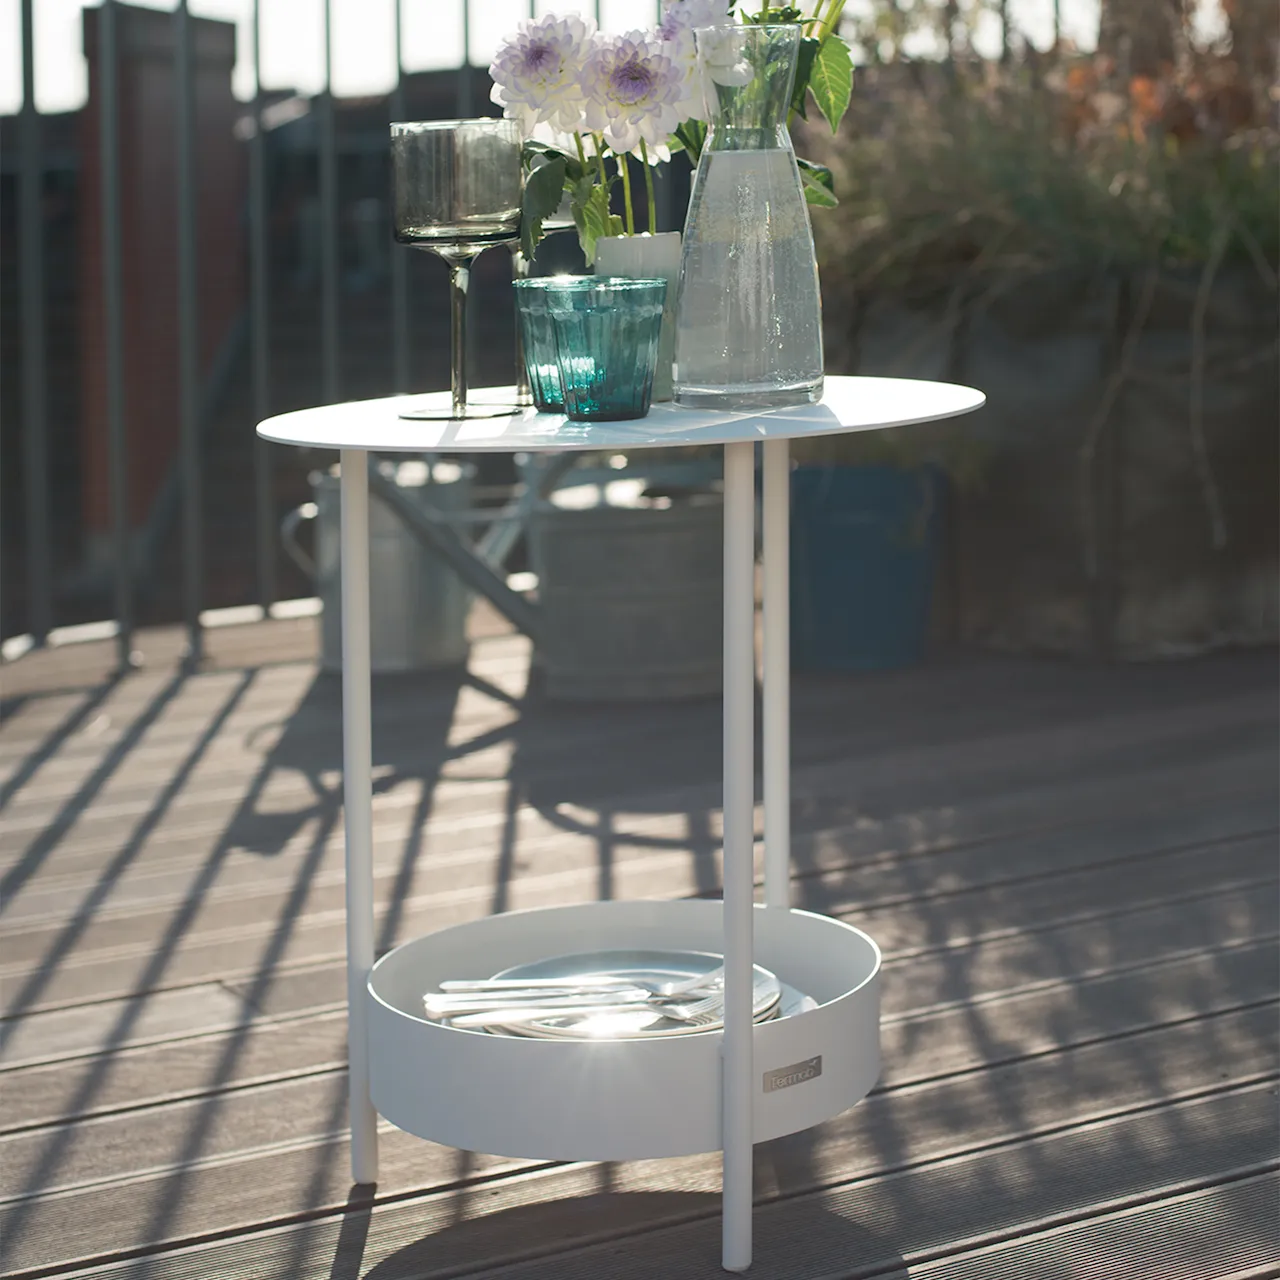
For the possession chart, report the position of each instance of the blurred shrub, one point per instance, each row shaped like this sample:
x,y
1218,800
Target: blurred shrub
x,y
962,183
1032,167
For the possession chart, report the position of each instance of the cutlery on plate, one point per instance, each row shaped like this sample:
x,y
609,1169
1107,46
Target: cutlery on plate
x,y
710,981
708,1009
446,1004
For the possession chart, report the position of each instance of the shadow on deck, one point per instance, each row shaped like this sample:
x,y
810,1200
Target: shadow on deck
x,y
1071,871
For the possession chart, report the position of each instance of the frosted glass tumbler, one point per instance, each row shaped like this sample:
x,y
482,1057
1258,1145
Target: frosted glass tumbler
x,y
606,332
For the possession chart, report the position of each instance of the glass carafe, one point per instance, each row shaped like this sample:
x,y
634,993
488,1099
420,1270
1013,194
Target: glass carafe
x,y
749,316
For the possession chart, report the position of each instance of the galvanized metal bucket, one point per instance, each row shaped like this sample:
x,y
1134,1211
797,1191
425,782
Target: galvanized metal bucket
x,y
417,604
630,591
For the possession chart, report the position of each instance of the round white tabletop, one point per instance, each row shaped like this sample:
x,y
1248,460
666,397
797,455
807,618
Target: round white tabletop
x,y
848,404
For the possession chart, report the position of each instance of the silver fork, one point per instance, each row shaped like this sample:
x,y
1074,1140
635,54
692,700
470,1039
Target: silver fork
x,y
694,1013
450,1003
713,980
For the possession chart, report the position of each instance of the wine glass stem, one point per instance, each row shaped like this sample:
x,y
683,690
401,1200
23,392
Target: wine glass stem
x,y
459,282
524,393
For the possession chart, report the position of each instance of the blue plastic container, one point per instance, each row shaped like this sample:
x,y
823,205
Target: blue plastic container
x,y
863,553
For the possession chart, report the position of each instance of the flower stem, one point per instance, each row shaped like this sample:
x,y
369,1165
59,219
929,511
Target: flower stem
x,y
582,153
832,20
625,170
648,187
604,177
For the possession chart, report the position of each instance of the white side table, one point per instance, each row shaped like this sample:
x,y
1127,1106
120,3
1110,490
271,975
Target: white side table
x,y
629,1099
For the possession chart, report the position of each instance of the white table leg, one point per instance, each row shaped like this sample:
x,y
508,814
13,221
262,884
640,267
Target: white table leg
x,y
739,785
777,673
357,755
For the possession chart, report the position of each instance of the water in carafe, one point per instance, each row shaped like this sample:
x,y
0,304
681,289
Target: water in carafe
x,y
749,319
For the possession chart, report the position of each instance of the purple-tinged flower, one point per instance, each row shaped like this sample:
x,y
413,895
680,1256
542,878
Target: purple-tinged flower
x,y
633,91
679,21
681,17
537,74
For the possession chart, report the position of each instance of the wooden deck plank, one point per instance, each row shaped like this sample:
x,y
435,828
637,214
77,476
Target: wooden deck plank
x,y
87,1029
640,1221
191,927
252,728
87,960
965,916
34,735
256,1051
1190,877
1016,906
981,912
916,1044
935,981
1190,817
1072,868
963,975
1004,762
543,757
873,1224
423,720
955,1114
458,832
89,664
876,1225
312,1042
311,745
1223,1232
469,821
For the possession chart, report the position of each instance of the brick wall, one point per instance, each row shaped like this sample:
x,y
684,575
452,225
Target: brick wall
x,y
148,195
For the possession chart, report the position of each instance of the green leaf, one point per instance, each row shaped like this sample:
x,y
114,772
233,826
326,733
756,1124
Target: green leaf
x,y
805,60
592,217
531,151
818,173
832,81
543,191
819,186
690,136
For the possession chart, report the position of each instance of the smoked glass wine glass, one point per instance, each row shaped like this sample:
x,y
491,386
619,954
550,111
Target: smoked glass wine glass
x,y
456,188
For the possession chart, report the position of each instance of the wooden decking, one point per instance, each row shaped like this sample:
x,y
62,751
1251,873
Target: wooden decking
x,y
1072,872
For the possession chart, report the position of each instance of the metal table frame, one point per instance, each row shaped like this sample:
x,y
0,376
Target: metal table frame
x,y
739,786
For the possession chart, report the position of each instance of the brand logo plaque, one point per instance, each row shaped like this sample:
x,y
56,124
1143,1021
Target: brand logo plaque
x,y
796,1073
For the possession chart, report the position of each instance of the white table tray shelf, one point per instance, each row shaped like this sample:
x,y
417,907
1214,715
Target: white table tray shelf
x,y
620,1099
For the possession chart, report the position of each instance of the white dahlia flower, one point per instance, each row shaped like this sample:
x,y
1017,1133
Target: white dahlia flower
x,y
538,72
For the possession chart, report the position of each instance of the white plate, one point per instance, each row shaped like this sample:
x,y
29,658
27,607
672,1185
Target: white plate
x,y
640,1023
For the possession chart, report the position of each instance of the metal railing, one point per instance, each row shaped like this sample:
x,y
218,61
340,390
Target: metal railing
x,y
34,398
113,295
37,555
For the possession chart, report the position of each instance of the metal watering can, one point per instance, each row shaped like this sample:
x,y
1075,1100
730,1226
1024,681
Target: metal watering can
x,y
418,605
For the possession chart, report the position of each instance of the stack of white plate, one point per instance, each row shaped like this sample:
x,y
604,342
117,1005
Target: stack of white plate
x,y
641,1020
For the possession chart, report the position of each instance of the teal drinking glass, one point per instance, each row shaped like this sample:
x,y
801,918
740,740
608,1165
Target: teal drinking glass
x,y
538,340
606,332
